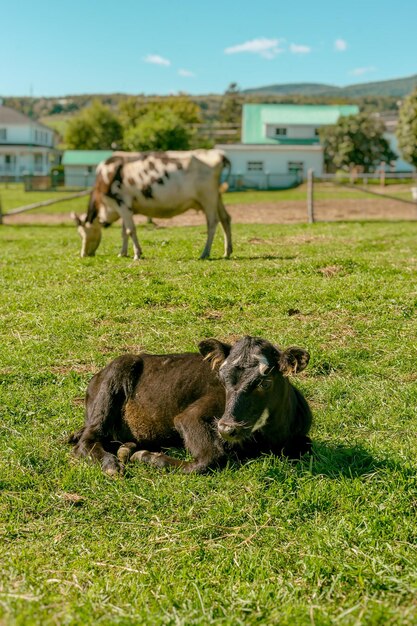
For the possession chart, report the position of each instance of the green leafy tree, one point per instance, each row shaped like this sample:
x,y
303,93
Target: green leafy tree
x,y
182,105
356,141
407,129
132,109
231,105
95,128
159,129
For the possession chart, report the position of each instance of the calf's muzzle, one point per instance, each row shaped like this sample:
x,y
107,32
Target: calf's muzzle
x,y
231,430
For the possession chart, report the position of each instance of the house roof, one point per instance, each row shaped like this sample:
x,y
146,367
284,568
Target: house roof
x,y
15,118
85,157
257,116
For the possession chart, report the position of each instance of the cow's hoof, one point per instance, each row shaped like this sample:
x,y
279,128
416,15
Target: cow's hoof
x,y
125,452
122,255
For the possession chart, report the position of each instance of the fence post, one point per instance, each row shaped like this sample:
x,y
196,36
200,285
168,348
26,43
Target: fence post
x,y
382,174
310,196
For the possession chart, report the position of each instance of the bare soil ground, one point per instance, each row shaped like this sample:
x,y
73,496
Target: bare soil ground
x,y
283,212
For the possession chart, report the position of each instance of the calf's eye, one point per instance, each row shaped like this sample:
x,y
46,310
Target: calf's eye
x,y
266,383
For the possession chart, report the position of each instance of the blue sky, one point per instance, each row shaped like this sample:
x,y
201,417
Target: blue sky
x,y
200,46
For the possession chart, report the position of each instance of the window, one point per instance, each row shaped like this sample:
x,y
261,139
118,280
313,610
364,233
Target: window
x,y
280,131
38,162
3,134
296,167
9,162
317,132
255,166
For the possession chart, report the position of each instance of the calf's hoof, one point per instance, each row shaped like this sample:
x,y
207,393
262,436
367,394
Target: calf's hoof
x,y
125,452
112,467
157,459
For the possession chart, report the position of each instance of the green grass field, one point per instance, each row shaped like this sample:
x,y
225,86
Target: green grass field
x,y
329,540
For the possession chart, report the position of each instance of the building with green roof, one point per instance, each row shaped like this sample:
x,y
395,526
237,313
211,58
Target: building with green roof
x,y
280,143
289,124
80,166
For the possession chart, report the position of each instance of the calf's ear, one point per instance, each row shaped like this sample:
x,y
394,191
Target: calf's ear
x,y
293,360
214,351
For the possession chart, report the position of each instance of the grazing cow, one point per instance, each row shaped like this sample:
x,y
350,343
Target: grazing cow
x,y
161,184
223,399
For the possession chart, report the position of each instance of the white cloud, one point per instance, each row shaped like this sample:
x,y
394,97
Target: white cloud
x,y
340,45
156,60
186,73
266,48
299,49
360,71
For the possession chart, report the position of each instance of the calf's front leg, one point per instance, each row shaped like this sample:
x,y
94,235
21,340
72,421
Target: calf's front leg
x,y
196,427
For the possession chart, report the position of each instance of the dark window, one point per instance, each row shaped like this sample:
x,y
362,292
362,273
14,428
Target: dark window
x,y
296,167
255,166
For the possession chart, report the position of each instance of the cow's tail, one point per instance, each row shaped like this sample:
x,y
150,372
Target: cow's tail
x,y
92,211
105,177
225,164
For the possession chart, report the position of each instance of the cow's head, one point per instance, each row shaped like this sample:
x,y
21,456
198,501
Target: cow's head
x,y
90,233
254,374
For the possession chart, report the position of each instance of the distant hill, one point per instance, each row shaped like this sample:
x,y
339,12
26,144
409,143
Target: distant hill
x,y
397,88
294,89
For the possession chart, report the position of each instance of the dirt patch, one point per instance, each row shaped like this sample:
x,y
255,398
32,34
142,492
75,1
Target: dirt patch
x,y
330,270
289,212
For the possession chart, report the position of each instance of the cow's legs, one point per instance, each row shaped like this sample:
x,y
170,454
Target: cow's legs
x,y
128,223
212,221
195,425
123,251
227,231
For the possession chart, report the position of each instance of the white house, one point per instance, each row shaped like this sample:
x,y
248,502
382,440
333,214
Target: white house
x,y
280,143
26,146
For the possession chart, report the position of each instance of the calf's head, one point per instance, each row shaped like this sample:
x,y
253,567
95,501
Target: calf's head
x,y
254,374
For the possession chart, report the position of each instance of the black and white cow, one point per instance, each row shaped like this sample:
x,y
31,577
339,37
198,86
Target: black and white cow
x,y
162,185
223,399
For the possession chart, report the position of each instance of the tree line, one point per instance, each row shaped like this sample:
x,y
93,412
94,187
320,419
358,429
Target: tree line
x,y
180,122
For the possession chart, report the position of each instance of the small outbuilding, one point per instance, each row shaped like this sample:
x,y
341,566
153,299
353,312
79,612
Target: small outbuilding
x,y
80,166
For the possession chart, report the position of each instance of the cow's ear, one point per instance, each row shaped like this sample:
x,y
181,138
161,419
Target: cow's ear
x,y
75,217
214,351
293,360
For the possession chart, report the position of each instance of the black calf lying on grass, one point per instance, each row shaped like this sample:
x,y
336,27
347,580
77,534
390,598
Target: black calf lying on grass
x,y
225,398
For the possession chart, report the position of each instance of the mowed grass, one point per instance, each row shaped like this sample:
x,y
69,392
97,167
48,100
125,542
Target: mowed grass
x,y
329,540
